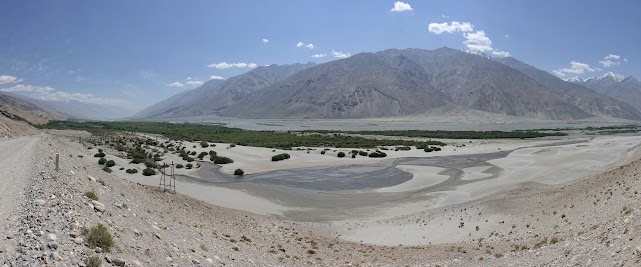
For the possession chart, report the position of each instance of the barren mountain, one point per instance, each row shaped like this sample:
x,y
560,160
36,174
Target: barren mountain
x,y
624,89
405,82
17,114
586,99
217,95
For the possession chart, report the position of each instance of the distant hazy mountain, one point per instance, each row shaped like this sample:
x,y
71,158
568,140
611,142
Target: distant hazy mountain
x,y
80,110
394,83
617,86
586,99
216,95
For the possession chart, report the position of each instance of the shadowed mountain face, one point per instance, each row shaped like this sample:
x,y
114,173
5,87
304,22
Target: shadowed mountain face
x,y
217,95
394,83
586,99
627,90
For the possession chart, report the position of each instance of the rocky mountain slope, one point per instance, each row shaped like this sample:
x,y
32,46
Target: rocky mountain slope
x,y
616,86
17,114
405,82
217,95
395,83
588,100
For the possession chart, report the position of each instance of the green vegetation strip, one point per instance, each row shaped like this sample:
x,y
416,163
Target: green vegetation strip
x,y
220,134
453,134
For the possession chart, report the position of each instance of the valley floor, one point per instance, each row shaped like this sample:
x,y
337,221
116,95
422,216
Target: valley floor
x,y
584,210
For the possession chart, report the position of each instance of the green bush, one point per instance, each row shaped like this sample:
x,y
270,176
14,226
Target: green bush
x,y
189,165
110,163
179,166
280,157
377,154
106,169
99,155
341,154
362,153
131,171
137,160
435,148
102,161
323,152
99,236
239,172
204,144
403,148
92,195
93,261
428,149
223,160
148,172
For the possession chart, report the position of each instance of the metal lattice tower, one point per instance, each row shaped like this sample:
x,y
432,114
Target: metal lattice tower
x,y
166,185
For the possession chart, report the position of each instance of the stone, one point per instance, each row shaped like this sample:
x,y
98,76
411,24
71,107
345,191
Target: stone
x,y
53,245
78,240
40,202
98,206
118,262
98,250
51,237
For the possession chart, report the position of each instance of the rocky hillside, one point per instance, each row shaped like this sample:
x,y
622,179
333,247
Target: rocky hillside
x,y
588,100
17,114
616,86
217,95
394,83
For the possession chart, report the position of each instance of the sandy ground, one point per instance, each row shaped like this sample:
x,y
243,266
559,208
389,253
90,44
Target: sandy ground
x,y
579,194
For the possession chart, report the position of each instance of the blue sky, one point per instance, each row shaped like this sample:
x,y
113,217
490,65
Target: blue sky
x,y
135,53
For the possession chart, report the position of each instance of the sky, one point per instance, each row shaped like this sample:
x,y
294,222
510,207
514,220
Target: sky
x,y
136,53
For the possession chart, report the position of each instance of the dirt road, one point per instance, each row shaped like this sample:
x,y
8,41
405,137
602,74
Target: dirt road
x,y
16,161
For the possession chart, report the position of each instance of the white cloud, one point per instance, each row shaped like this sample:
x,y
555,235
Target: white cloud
x,y
176,84
558,73
611,60
225,65
51,94
478,41
575,68
608,63
445,16
318,55
401,7
612,56
455,26
499,53
5,79
194,83
214,77
28,88
264,40
301,44
340,54
188,79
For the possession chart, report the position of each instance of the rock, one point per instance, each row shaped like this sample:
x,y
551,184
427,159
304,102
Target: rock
x,y
219,260
51,237
53,245
157,235
98,250
73,234
118,262
210,261
40,202
195,261
91,178
639,249
98,206
137,233
78,240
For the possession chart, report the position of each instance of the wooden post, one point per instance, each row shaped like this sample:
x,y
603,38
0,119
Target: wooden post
x,y
57,161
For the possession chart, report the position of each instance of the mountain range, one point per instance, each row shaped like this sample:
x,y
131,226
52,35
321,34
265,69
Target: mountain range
x,y
393,83
626,89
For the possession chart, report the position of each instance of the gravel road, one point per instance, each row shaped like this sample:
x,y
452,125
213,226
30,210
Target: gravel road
x,y
16,160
